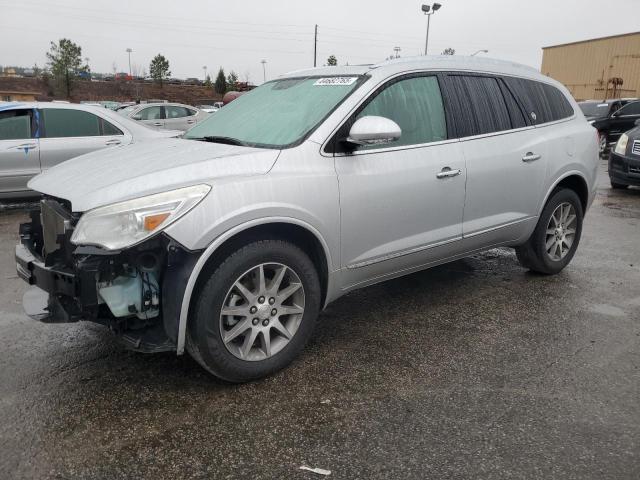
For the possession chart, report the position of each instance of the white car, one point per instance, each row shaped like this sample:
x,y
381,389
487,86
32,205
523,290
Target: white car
x,y
170,116
35,136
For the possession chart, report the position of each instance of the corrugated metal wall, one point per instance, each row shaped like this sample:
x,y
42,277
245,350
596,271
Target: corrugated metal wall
x,y
585,67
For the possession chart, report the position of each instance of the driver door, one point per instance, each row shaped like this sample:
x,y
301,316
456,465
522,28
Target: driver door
x,y
401,203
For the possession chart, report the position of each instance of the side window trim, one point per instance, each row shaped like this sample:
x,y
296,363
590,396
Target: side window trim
x,y
505,86
332,147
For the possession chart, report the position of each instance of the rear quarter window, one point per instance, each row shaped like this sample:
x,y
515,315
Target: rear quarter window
x,y
542,102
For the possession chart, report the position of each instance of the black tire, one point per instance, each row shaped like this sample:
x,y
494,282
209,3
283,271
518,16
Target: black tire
x,y
533,254
618,186
204,339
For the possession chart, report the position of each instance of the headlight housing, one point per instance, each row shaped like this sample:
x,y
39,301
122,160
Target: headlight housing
x,y
621,146
124,224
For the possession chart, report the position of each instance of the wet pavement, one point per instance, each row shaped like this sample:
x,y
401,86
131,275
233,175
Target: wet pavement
x,y
476,369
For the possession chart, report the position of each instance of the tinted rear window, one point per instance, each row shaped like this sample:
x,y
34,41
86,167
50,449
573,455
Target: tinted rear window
x,y
477,105
543,103
70,123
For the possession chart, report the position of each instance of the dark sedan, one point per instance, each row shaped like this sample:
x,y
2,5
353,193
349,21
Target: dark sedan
x,y
624,161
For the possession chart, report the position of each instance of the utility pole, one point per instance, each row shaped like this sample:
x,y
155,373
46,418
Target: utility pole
x,y
129,52
315,48
264,69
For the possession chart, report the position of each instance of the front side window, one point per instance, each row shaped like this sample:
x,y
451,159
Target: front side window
x,y
415,104
278,114
15,125
60,122
629,109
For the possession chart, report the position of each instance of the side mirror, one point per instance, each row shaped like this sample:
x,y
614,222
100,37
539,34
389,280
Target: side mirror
x,y
374,131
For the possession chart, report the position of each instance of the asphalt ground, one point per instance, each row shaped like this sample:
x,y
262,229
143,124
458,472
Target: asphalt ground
x,y
476,369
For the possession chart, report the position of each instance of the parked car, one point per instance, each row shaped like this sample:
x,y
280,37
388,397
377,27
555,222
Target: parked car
x,y
624,160
37,136
229,242
172,116
610,127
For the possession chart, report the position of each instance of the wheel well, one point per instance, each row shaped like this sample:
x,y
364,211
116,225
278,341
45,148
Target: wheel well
x,y
578,185
295,234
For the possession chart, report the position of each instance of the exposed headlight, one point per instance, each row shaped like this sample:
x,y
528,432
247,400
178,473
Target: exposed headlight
x,y
621,146
126,223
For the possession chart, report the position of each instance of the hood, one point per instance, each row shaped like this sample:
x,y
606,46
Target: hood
x,y
147,167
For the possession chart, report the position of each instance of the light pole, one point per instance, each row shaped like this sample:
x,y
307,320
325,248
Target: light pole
x,y
129,52
397,51
264,69
428,11
479,51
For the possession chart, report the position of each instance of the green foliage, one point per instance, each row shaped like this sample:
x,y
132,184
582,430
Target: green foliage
x,y
221,83
65,61
159,69
207,82
448,51
332,61
232,80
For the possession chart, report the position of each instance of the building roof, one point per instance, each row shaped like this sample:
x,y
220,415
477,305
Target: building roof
x,y
592,40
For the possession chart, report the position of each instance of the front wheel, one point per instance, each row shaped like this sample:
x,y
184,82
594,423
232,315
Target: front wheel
x,y
255,312
557,235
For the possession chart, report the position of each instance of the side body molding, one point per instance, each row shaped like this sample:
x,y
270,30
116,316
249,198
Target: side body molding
x,y
197,269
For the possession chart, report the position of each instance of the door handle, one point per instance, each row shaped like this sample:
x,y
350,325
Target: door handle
x,y
158,124
448,173
112,142
191,121
24,146
531,157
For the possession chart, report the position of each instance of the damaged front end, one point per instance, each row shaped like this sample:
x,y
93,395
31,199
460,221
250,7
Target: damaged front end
x,y
137,291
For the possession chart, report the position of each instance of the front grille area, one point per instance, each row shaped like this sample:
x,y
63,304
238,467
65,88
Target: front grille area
x,y
635,170
635,148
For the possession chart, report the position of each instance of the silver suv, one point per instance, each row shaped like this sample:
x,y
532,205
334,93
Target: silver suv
x,y
229,242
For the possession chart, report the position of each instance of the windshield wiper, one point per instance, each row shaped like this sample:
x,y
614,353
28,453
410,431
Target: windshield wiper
x,y
225,140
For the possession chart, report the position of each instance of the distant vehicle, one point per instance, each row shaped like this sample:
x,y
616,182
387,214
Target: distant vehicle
x,y
174,81
110,105
599,113
192,81
624,160
218,105
230,97
36,136
108,78
84,76
229,242
173,116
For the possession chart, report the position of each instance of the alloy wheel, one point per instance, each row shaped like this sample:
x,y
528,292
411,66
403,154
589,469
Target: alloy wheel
x,y
561,231
262,311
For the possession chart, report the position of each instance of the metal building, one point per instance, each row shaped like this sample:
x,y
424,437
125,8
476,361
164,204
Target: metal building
x,y
599,68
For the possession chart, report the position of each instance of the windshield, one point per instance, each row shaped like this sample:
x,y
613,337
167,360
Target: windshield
x,y
277,114
593,109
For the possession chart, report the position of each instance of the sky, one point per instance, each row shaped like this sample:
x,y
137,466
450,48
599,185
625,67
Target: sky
x,y
238,35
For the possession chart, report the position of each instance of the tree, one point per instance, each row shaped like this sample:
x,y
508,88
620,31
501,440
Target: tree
x,y
159,69
65,61
221,83
332,61
232,80
449,51
207,81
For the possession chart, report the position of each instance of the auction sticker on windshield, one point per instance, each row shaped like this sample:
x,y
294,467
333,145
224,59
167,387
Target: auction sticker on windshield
x,y
336,81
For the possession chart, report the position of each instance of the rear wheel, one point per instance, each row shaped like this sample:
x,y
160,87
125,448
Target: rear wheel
x,y
557,235
255,312
603,143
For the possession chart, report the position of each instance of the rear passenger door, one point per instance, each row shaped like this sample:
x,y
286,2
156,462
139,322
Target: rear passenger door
x,y
623,120
150,116
505,158
179,118
19,149
68,133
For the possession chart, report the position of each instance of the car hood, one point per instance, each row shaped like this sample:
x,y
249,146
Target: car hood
x,y
148,167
